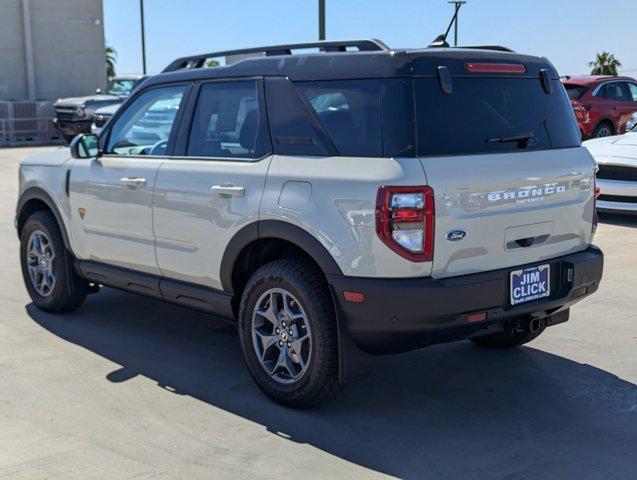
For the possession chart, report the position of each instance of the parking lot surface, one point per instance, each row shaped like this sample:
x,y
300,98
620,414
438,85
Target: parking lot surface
x,y
128,387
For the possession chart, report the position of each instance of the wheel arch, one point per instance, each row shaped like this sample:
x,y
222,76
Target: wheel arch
x,y
609,121
261,231
35,199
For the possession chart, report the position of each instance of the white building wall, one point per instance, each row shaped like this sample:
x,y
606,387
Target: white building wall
x,y
67,40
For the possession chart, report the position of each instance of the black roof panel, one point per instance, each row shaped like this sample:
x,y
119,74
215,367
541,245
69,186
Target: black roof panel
x,y
351,65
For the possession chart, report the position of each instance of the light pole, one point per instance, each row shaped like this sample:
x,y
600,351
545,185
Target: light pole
x,y
458,4
141,11
321,16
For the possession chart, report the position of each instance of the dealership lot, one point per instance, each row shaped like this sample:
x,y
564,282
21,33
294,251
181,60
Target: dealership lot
x,y
129,387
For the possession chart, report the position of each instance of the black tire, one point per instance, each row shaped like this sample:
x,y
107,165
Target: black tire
x,y
69,290
604,129
514,334
306,283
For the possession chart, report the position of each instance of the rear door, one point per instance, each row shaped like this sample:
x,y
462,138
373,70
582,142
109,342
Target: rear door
x,y
621,103
503,158
112,196
212,187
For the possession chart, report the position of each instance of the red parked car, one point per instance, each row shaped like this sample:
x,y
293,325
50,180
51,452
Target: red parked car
x,y
603,105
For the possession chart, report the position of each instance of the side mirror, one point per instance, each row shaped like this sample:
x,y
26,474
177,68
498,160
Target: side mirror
x,y
84,145
98,90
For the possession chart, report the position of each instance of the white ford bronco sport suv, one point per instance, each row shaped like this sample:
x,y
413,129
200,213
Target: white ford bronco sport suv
x,y
356,200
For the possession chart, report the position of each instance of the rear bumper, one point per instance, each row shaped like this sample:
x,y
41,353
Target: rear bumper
x,y
403,314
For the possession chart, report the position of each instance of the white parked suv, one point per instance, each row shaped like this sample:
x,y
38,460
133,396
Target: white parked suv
x,y
356,200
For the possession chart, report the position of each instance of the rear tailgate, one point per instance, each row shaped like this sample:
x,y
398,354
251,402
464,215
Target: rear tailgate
x,y
501,149
515,208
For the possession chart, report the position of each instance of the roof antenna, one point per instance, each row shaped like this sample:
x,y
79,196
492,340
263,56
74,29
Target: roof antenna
x,y
441,40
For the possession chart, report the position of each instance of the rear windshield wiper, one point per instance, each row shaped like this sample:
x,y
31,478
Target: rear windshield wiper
x,y
522,139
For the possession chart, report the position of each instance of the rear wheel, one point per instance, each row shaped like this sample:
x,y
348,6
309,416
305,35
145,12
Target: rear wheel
x,y
287,329
604,129
515,333
47,270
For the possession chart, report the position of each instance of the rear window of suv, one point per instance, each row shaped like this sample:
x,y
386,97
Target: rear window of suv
x,y
482,110
575,92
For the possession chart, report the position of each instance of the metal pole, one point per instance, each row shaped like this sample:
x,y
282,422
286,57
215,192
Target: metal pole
x,y
28,48
321,19
455,30
457,4
141,10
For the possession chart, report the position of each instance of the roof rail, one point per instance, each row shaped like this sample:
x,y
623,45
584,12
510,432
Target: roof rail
x,y
198,61
497,48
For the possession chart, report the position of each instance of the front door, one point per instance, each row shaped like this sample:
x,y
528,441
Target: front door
x,y
214,186
111,196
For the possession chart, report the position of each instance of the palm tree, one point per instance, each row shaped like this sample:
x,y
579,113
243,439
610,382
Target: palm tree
x,y
111,60
605,64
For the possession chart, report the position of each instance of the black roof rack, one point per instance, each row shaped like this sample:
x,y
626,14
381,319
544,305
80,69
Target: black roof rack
x,y
198,61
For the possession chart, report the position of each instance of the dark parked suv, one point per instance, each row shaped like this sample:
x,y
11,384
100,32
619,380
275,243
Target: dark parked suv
x,y
603,105
74,115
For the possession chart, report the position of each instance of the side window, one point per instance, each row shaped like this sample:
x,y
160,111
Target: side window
x,y
350,113
145,126
227,122
632,87
601,93
616,91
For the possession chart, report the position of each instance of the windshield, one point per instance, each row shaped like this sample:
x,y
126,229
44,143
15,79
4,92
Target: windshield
x,y
492,114
120,87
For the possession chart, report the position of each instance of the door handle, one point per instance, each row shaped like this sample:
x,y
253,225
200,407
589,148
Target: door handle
x,y
133,182
228,190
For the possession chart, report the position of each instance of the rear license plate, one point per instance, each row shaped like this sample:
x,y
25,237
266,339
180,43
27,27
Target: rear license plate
x,y
530,284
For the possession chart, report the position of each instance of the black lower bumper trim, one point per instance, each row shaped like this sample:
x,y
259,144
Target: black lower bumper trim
x,y
403,314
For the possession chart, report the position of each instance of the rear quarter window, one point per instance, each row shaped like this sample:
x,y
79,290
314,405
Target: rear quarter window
x,y
483,109
349,112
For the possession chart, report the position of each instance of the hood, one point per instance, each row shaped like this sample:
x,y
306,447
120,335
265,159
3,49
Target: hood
x,y
618,147
85,101
48,159
108,109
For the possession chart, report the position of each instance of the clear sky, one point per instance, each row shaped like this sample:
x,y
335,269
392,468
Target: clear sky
x,y
568,32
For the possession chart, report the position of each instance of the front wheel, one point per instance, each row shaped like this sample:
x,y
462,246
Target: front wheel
x,y
48,274
287,329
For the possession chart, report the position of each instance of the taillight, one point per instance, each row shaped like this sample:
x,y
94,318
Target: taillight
x,y
495,67
581,111
405,221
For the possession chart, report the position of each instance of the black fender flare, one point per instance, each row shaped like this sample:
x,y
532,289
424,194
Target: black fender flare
x,y
263,229
37,193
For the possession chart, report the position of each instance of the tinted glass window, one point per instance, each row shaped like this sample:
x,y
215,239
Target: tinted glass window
x,y
574,91
227,122
145,126
481,111
120,87
616,92
632,88
349,112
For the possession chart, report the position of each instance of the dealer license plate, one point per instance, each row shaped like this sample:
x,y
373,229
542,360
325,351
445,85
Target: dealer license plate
x,y
530,284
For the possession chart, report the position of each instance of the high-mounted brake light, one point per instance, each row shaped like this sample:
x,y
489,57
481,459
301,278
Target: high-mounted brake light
x,y
495,68
405,221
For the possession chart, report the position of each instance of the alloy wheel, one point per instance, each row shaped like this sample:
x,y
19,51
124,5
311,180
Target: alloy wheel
x,y
40,263
281,335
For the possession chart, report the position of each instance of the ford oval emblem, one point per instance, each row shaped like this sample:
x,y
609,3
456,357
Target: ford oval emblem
x,y
455,235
